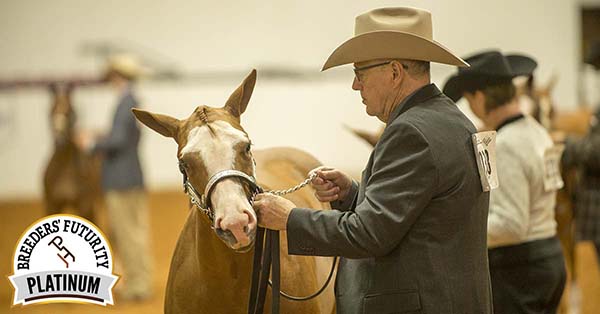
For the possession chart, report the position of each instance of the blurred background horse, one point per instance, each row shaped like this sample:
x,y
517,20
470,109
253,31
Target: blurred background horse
x,y
72,177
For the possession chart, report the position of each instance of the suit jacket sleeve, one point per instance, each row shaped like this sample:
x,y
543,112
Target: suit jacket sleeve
x,y
350,202
121,131
400,186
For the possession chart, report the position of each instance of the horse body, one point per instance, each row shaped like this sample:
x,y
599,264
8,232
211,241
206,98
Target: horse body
x,y
226,275
211,269
71,178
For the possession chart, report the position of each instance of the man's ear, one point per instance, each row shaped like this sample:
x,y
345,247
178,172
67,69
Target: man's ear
x,y
163,124
480,96
398,72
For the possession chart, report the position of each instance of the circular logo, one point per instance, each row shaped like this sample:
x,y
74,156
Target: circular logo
x,y
63,258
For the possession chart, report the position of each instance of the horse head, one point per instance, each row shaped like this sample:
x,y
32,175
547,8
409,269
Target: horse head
x,y
62,115
370,137
541,101
211,140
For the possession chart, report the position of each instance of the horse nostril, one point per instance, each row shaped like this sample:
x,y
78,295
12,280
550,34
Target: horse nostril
x,y
251,218
237,225
218,221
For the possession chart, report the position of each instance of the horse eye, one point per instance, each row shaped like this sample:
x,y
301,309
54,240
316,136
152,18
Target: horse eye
x,y
248,148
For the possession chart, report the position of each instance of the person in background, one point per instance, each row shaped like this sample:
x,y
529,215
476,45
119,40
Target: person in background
x,y
526,261
123,182
584,155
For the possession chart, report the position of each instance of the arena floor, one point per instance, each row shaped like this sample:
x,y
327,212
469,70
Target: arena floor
x,y
168,212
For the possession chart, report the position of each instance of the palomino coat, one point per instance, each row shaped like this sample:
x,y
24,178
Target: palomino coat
x,y
413,235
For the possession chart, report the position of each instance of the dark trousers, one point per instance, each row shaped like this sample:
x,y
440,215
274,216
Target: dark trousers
x,y
527,278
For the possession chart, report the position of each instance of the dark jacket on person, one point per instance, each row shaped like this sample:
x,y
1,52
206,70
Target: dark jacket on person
x,y
121,168
412,236
584,155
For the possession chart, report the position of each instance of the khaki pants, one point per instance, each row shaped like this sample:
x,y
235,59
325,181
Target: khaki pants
x,y
128,218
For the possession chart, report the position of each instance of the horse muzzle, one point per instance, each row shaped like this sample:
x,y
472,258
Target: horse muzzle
x,y
242,246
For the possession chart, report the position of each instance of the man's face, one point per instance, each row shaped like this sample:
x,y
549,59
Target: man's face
x,y
374,84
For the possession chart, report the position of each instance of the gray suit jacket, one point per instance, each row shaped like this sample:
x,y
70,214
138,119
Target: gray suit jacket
x,y
413,237
121,168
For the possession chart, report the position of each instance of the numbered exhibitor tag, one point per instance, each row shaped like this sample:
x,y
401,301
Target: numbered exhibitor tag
x,y
552,178
485,153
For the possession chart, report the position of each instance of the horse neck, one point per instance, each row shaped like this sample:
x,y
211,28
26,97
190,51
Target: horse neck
x,y
216,259
67,146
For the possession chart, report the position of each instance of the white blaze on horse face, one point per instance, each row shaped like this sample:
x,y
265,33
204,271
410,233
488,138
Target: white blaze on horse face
x,y
216,150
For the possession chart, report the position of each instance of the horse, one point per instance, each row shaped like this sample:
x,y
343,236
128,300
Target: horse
x,y
72,177
211,266
368,136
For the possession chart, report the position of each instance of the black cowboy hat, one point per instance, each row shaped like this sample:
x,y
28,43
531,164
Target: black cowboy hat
x,y
593,54
487,68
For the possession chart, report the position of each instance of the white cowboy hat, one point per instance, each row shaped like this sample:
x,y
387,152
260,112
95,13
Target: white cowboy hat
x,y
127,65
393,33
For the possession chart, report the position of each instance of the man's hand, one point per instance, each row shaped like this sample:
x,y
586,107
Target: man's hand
x,y
331,184
272,211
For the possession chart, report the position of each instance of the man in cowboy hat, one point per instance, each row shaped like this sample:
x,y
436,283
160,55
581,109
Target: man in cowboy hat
x,y
122,180
412,234
526,261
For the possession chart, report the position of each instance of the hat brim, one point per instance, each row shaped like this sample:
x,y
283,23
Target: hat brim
x,y
520,65
391,45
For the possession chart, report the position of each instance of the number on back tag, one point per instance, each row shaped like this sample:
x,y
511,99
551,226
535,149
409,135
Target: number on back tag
x,y
552,179
485,153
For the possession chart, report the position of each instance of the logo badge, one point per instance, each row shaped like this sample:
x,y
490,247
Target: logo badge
x,y
63,258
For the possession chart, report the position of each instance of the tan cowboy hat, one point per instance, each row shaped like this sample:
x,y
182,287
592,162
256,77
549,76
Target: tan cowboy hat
x,y
127,65
393,33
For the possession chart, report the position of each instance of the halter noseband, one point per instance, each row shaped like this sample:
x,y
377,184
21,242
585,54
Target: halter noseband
x,y
202,201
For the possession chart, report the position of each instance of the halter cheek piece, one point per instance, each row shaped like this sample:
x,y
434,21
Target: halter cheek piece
x,y
202,201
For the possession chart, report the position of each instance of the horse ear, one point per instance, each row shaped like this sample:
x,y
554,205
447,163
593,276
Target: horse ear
x,y
163,124
552,82
371,138
238,101
522,87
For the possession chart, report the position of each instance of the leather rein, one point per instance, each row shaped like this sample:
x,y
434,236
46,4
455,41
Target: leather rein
x,y
266,248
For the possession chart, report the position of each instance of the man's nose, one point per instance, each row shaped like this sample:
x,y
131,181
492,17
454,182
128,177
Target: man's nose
x,y
356,85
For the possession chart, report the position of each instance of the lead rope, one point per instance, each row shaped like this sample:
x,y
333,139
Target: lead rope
x,y
270,261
